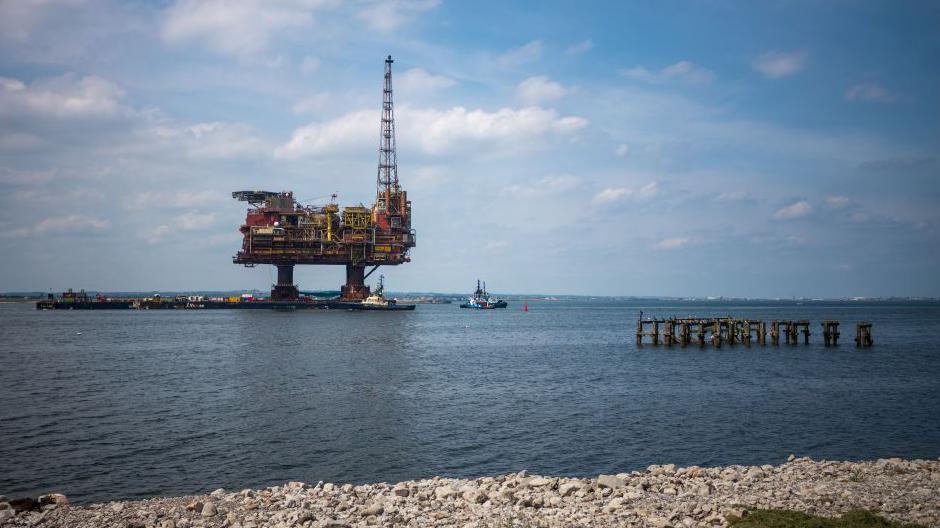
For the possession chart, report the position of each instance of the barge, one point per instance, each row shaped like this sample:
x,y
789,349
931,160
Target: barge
x,y
81,301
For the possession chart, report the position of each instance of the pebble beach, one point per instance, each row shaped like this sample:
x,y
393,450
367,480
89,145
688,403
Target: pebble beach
x,y
661,496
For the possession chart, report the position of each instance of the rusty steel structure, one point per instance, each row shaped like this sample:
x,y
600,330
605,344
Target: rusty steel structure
x,y
280,231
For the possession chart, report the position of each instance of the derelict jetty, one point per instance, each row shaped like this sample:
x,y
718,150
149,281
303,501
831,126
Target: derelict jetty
x,y
729,330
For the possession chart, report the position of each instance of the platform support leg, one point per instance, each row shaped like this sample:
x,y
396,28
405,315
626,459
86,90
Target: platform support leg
x,y
285,289
355,288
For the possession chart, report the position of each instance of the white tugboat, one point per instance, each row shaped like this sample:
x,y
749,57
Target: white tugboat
x,y
377,300
481,300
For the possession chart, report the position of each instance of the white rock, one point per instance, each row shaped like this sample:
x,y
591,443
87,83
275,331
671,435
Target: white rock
x,y
474,496
537,482
376,508
445,491
568,488
209,509
401,491
609,481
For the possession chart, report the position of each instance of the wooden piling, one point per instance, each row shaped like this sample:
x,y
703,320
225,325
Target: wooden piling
x,y
669,336
830,332
863,334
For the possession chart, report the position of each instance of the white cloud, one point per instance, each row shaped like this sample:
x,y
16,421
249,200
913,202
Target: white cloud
x,y
432,131
649,190
202,140
837,201
419,80
19,177
437,131
670,243
859,216
309,65
194,221
19,18
777,64
539,89
247,27
64,225
18,141
611,194
175,199
529,52
387,15
349,130
61,97
622,150
424,177
733,196
189,221
157,234
616,194
685,71
547,185
237,28
870,93
310,104
496,245
794,210
579,48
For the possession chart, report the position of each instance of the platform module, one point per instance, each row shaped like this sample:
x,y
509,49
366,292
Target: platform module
x,y
280,231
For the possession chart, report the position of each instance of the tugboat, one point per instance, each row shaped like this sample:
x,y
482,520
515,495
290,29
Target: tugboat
x,y
377,301
481,300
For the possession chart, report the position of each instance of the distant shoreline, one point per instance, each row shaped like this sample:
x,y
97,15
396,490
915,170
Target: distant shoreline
x,y
661,496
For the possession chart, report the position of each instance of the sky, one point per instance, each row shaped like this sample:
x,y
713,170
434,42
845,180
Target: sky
x,y
701,148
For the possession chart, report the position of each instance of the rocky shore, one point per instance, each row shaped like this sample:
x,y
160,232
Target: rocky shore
x,y
660,496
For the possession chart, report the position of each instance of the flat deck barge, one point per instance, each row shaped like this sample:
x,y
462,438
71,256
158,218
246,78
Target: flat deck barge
x,y
81,301
134,304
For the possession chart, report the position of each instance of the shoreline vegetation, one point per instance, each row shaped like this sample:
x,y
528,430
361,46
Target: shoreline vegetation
x,y
801,492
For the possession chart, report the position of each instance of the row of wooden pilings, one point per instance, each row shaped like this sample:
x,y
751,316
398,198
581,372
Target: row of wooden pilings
x,y
719,330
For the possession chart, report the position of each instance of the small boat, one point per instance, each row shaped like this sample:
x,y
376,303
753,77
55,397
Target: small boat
x,y
481,300
377,300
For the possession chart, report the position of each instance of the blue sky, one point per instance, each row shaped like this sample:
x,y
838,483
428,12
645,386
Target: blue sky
x,y
755,149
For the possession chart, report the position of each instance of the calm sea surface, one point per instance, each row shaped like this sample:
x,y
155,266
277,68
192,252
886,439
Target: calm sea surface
x,y
108,405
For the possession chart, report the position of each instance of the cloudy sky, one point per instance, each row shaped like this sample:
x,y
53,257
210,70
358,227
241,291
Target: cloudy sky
x,y
760,149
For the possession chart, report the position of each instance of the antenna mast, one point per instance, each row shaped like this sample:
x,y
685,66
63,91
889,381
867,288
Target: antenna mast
x,y
387,178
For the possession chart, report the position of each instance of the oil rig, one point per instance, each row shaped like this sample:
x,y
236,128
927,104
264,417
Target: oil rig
x,y
280,231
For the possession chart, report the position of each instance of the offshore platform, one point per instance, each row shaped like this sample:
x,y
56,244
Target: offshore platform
x,y
282,232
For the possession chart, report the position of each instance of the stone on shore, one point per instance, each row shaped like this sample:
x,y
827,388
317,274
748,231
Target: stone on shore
x,y
661,496
610,481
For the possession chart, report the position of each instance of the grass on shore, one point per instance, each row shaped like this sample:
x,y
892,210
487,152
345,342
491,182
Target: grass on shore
x,y
794,519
